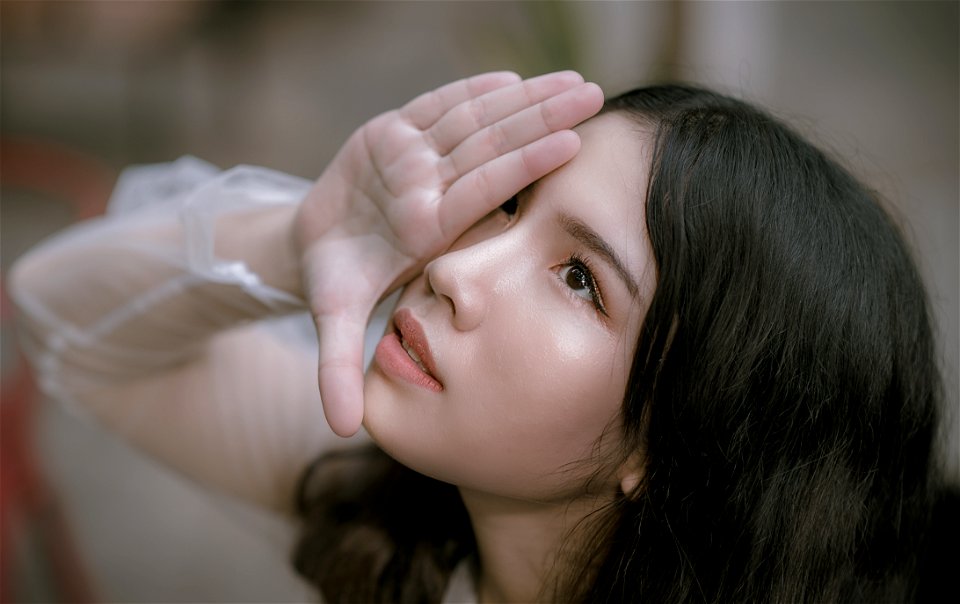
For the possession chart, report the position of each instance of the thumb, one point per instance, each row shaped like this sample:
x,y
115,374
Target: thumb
x,y
341,370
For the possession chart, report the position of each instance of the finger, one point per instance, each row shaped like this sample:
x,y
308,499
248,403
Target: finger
x,y
479,112
476,194
341,371
427,108
560,112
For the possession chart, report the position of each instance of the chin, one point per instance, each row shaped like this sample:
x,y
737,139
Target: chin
x,y
401,430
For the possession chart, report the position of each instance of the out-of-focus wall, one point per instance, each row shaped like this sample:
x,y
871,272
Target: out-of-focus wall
x,y
283,84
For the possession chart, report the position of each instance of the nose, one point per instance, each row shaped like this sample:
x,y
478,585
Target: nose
x,y
472,279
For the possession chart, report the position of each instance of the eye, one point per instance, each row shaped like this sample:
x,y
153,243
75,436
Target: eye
x,y
576,274
509,207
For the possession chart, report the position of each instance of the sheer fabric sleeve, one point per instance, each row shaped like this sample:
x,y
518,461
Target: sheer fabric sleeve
x,y
177,321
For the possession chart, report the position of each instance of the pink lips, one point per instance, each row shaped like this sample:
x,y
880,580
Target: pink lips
x,y
393,358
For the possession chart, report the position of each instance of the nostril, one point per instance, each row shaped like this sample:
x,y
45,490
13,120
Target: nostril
x,y
449,300
428,278
437,285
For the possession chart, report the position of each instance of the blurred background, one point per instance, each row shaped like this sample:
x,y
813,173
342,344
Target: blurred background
x,y
89,87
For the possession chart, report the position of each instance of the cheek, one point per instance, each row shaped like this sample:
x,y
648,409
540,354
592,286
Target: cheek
x,y
562,365
559,389
535,390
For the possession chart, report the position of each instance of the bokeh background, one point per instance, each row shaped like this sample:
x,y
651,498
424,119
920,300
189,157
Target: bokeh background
x,y
89,87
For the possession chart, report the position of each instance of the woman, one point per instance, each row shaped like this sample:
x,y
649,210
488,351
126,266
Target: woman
x,y
677,354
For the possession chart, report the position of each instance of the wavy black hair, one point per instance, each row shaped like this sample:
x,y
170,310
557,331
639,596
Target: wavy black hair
x,y
784,390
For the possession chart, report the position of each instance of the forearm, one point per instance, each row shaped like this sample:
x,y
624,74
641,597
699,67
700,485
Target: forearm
x,y
131,319
121,297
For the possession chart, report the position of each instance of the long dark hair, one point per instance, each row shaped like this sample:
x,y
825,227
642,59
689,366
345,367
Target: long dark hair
x,y
784,391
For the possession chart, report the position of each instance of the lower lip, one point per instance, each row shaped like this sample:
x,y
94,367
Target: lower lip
x,y
394,360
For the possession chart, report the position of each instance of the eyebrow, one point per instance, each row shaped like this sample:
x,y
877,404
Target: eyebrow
x,y
582,232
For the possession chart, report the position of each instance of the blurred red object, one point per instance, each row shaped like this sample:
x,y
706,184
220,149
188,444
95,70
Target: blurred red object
x,y
35,539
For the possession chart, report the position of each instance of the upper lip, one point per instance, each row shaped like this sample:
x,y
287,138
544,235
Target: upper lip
x,y
411,332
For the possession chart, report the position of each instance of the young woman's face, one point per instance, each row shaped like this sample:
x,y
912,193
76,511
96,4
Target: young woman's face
x,y
531,320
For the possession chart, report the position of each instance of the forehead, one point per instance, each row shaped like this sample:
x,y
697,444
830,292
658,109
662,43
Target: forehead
x,y
605,185
608,177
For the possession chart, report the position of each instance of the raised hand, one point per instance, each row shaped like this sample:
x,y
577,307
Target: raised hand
x,y
406,185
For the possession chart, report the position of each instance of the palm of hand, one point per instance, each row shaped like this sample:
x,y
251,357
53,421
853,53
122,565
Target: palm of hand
x,y
382,227
405,186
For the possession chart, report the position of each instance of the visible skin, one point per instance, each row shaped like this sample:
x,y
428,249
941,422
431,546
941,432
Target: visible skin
x,y
533,374
405,186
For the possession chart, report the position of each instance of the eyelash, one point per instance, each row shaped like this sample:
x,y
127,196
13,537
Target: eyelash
x,y
510,208
577,261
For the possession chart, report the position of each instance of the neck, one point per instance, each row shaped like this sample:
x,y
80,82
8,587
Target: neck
x,y
518,542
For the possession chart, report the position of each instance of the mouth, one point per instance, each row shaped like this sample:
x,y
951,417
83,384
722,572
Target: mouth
x,y
414,341
413,354
405,353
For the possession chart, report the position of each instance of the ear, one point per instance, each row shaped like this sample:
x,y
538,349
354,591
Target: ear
x,y
631,473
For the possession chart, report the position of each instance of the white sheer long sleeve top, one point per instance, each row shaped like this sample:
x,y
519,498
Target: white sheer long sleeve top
x,y
176,320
